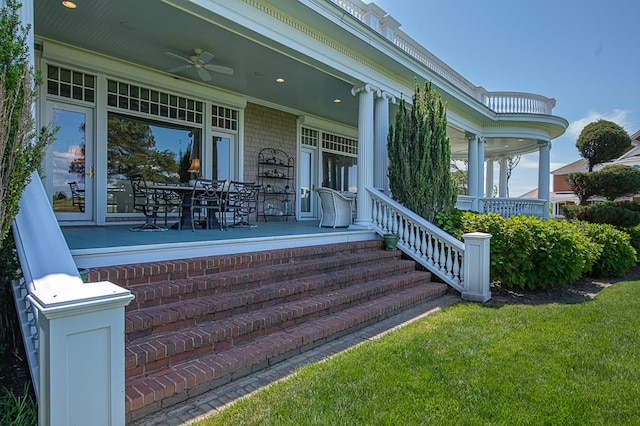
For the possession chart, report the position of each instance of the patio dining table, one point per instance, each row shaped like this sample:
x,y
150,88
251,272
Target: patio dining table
x,y
185,191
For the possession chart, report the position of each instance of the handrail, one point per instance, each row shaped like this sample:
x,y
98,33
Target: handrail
x,y
506,207
424,242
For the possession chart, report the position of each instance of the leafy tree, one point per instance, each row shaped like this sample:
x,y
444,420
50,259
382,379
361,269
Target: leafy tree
x,y
617,180
584,185
420,155
20,150
602,141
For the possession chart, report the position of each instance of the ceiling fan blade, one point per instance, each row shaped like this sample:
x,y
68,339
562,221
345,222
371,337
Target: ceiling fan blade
x,y
219,68
178,57
180,68
205,57
204,75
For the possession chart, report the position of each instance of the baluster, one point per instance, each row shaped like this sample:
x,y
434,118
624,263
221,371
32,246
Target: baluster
x,y
456,264
374,213
436,251
423,243
449,263
406,231
443,256
429,249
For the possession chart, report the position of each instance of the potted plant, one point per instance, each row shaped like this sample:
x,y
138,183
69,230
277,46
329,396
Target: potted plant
x,y
390,241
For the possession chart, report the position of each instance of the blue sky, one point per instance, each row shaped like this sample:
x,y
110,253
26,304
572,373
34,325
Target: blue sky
x,y
583,53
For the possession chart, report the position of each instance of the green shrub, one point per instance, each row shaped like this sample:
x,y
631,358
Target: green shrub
x,y
621,214
618,256
450,222
634,238
528,252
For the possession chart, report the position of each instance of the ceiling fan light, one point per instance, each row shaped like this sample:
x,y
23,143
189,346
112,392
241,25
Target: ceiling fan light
x,y
69,4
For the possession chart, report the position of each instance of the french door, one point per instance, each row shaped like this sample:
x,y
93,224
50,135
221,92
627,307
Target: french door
x,y
69,168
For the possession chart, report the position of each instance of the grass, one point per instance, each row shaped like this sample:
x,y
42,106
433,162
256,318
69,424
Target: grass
x,y
473,365
18,410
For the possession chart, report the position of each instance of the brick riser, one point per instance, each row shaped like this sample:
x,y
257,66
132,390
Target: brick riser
x,y
201,323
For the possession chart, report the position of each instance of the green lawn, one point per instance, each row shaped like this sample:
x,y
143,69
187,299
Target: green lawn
x,y
474,365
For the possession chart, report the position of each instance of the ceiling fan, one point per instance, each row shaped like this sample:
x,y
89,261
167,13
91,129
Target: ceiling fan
x,y
200,62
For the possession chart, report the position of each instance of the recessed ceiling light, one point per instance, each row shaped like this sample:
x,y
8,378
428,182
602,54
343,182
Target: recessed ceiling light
x,y
69,4
337,101
279,80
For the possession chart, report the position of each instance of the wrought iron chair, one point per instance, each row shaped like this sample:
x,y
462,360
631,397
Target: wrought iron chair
x,y
209,196
150,202
242,200
77,196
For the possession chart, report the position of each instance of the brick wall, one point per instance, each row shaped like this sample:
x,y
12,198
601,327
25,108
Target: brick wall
x,y
266,128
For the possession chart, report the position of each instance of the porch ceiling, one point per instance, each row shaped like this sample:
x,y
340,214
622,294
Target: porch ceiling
x,y
141,31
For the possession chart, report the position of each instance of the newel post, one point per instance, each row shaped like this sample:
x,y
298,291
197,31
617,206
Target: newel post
x,y
476,267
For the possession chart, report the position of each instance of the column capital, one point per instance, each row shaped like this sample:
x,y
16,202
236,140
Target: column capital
x,y
383,94
368,88
543,144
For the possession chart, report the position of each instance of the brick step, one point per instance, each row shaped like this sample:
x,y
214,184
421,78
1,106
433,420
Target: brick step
x,y
154,272
175,384
156,294
146,355
186,313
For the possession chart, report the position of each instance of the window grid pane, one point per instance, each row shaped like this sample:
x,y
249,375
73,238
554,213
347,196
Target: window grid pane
x,y
70,84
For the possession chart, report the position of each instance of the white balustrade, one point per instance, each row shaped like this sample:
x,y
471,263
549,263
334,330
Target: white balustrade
x,y
433,248
513,206
500,102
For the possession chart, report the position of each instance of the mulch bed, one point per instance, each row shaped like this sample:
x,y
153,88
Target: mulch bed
x,y
580,291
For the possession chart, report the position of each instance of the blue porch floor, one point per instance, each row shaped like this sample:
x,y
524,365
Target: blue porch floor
x,y
115,244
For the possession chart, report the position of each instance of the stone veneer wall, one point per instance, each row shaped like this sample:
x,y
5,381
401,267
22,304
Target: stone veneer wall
x,y
267,128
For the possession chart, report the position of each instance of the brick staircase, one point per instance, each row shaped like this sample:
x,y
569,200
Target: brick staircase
x,y
200,323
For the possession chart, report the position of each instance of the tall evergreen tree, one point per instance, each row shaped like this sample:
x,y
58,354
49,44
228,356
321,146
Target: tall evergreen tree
x,y
420,155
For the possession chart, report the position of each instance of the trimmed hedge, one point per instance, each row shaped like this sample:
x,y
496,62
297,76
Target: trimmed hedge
x,y
529,252
624,215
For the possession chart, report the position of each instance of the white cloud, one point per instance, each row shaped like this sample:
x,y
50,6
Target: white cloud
x,y
618,116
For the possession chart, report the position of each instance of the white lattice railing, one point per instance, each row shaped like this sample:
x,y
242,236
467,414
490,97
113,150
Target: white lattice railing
x,y
430,246
512,206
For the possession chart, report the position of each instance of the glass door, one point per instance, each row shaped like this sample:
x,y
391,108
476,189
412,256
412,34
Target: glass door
x,y
69,170
307,179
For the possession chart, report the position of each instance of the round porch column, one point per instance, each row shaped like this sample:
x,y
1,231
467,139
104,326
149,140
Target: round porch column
x,y
365,153
503,178
480,167
489,188
544,148
381,132
472,172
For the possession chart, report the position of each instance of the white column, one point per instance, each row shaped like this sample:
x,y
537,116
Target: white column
x,y
503,177
489,188
480,167
472,171
544,148
380,134
476,267
365,154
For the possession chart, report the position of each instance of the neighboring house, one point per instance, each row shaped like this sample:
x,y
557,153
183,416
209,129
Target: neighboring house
x,y
562,193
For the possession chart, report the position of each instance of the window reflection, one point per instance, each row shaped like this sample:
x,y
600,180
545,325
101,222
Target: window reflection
x,y
339,172
159,151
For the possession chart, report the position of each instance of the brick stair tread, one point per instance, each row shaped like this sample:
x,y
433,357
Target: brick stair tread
x,y
198,375
224,303
227,331
145,273
246,278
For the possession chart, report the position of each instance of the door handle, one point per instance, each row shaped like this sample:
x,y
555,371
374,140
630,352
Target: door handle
x,y
90,172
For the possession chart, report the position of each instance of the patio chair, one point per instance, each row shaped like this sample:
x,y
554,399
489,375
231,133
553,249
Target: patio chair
x,y
150,202
242,200
209,197
336,208
77,196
